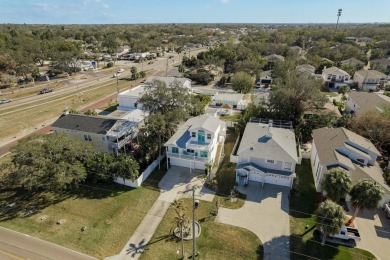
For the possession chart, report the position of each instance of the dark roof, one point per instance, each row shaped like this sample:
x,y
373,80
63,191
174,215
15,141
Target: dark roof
x,y
89,124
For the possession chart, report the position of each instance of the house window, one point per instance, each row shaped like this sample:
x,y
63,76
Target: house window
x,y
86,137
203,154
193,134
362,161
270,161
190,151
104,139
89,138
175,150
208,136
287,166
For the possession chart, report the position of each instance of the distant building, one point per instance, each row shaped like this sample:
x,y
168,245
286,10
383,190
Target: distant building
x,y
370,80
353,62
335,77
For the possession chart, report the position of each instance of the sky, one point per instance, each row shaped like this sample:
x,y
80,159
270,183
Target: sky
x,y
192,11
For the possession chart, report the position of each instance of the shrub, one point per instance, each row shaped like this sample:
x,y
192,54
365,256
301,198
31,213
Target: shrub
x,y
110,64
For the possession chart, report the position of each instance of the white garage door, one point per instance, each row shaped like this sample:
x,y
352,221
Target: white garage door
x,y
180,162
278,180
253,176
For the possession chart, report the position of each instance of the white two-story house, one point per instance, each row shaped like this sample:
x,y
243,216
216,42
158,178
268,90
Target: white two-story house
x,y
267,153
370,80
335,77
196,142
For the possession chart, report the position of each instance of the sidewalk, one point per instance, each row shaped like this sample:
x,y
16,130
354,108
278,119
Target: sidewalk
x,y
176,184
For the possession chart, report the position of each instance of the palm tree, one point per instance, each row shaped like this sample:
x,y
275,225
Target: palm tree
x,y
126,168
337,184
330,218
133,71
178,51
181,221
365,194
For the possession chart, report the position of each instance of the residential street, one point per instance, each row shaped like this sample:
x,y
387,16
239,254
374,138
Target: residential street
x,y
15,245
265,213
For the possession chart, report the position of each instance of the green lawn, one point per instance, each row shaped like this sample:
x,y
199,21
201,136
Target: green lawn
x,y
303,203
226,174
216,241
111,214
233,117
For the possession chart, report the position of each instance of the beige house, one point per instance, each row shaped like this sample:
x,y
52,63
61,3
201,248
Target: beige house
x,y
107,135
370,80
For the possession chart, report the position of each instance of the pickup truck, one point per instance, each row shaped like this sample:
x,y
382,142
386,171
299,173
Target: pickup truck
x,y
387,210
348,234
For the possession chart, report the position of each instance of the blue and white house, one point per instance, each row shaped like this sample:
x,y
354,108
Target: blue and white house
x,y
196,142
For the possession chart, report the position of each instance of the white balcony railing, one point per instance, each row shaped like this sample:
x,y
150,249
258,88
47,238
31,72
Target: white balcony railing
x,y
188,157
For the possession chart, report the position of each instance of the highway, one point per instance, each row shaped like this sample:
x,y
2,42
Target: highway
x,y
18,246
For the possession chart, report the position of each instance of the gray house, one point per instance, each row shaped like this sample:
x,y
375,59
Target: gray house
x,y
267,153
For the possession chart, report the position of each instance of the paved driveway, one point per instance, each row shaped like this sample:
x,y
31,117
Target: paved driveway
x,y
374,229
176,184
265,213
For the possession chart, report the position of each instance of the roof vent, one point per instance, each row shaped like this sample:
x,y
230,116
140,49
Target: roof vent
x,y
252,148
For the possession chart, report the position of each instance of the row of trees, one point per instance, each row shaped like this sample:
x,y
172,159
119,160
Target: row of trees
x,y
56,162
365,194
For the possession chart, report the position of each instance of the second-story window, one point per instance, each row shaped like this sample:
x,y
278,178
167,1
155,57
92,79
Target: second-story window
x,y
208,136
193,134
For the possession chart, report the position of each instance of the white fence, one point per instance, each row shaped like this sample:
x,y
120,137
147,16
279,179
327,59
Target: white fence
x,y
234,158
138,182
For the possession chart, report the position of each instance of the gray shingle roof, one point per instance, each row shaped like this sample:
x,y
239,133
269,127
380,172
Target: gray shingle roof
x,y
368,102
371,74
261,141
335,71
328,140
352,62
83,123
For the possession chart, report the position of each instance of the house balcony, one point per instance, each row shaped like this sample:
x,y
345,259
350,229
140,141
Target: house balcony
x,y
122,142
188,157
199,146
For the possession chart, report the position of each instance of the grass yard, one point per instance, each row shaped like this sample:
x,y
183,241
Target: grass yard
x,y
47,109
110,213
303,203
226,174
233,117
216,241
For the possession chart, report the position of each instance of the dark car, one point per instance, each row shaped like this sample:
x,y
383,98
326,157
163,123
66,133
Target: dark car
x,y
46,90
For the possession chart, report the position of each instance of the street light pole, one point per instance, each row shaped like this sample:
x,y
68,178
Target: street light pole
x,y
338,17
117,83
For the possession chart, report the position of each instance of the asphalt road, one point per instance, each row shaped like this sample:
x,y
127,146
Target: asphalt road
x,y
15,245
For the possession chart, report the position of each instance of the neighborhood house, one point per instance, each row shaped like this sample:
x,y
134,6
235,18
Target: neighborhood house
x,y
267,153
235,100
335,77
197,142
370,80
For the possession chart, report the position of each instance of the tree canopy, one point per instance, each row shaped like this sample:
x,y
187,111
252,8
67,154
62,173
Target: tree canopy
x,y
330,218
337,184
51,162
242,82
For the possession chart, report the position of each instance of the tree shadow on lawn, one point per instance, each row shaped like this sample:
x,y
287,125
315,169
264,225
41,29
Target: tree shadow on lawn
x,y
19,202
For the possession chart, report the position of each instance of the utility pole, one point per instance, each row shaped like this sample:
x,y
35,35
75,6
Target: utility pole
x,y
338,17
166,69
193,223
117,84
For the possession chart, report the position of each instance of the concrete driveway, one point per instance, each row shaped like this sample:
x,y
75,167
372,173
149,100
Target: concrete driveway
x,y
374,229
265,213
176,184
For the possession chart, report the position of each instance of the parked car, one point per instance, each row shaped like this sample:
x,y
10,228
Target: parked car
x,y
387,210
46,90
120,71
7,100
150,62
347,234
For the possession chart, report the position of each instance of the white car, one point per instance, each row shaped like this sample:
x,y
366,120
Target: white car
x,y
7,100
120,71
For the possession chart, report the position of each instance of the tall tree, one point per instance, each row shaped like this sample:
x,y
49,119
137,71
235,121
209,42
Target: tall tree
x,y
100,167
294,94
181,221
51,162
242,82
337,184
126,167
330,218
366,194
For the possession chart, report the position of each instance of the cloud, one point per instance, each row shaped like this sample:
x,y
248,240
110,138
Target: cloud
x,y
224,1
106,6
